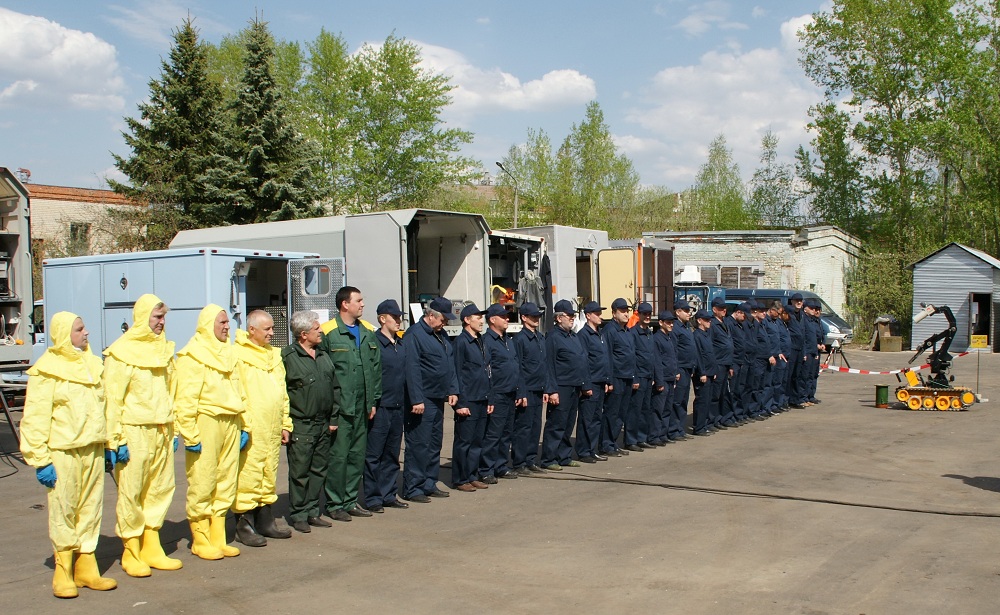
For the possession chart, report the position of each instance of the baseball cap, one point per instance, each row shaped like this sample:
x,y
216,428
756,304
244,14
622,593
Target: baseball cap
x,y
564,307
619,304
471,310
592,307
440,304
390,307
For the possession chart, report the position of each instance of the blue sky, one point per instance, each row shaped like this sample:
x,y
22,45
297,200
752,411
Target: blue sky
x,y
670,75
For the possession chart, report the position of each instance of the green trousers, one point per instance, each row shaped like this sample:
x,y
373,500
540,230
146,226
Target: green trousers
x,y
347,462
308,453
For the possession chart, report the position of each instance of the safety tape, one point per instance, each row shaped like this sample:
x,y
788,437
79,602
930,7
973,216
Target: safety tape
x,y
868,372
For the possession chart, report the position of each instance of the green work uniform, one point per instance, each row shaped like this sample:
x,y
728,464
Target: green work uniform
x,y
359,373
312,399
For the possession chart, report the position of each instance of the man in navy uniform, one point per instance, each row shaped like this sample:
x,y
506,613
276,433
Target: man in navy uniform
x,y
705,375
472,366
385,429
505,375
687,357
796,364
813,346
588,424
430,383
530,346
724,414
666,379
743,350
763,364
621,348
638,416
567,363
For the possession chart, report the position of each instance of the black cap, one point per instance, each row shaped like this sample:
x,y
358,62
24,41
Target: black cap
x,y
529,309
496,310
795,297
744,307
718,302
757,306
682,304
390,307
644,308
471,310
564,307
703,314
592,307
440,304
619,304
667,315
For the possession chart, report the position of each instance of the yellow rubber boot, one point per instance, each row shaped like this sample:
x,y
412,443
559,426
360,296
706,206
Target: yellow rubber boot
x,y
200,543
132,562
218,536
152,552
86,574
63,585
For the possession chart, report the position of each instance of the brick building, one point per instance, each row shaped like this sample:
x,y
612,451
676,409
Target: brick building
x,y
814,258
69,221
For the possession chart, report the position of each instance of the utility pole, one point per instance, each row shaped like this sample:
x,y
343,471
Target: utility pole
x,y
513,179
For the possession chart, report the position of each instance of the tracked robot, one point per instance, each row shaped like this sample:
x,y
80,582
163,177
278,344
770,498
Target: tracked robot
x,y
937,391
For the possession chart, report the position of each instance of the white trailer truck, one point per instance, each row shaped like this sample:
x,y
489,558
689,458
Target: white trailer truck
x,y
15,273
102,289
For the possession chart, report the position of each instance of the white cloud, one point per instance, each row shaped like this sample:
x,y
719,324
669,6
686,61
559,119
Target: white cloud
x,y
43,63
483,21
738,94
479,90
704,16
153,21
758,12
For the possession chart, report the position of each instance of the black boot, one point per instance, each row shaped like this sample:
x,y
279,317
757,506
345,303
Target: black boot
x,y
264,522
245,532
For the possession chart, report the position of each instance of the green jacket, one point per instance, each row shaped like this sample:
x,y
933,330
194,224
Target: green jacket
x,y
313,390
358,369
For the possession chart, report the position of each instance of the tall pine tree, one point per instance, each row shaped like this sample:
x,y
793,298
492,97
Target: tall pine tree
x,y
275,179
176,161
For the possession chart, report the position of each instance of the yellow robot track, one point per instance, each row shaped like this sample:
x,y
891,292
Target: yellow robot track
x,y
952,399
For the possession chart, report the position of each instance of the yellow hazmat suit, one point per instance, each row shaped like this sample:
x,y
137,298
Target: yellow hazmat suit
x,y
64,426
137,372
262,375
208,411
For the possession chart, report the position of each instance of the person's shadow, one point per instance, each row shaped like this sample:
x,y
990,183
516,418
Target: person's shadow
x,y
986,483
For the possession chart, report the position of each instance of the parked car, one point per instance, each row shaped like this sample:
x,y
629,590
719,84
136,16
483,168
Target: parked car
x,y
835,328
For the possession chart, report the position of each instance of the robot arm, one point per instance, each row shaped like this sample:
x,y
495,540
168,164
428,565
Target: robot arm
x,y
948,335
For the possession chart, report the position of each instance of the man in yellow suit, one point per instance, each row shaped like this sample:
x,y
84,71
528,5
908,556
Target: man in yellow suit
x,y
209,413
62,436
262,374
138,368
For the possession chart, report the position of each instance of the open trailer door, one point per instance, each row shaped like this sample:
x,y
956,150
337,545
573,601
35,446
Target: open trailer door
x,y
615,276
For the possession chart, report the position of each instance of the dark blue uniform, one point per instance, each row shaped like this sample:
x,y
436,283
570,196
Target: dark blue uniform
x,y
796,372
530,347
761,370
472,364
588,424
621,348
430,379
505,372
707,366
638,417
567,364
663,398
385,429
687,358
784,366
814,335
774,339
725,354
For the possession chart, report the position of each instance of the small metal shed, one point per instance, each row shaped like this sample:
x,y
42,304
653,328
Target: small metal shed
x,y
966,280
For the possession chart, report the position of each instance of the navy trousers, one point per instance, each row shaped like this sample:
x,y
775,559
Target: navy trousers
x,y
422,460
704,392
682,395
616,404
738,388
662,403
385,434
467,447
588,423
557,443
496,441
526,431
637,417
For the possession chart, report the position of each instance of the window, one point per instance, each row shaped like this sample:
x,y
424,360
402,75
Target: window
x,y
316,280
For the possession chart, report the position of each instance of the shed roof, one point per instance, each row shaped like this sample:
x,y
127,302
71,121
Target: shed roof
x,y
983,256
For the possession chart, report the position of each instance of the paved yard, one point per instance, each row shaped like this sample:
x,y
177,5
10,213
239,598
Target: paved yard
x,y
840,508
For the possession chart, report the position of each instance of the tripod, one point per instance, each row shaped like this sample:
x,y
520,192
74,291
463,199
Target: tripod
x,y
835,352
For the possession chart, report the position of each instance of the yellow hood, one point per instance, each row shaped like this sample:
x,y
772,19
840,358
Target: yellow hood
x,y
265,357
205,348
139,346
62,360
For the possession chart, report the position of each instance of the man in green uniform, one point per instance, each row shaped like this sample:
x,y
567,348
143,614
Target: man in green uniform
x,y
357,361
312,399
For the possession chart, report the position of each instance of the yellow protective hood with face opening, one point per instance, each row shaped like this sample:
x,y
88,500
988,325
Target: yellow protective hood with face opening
x,y
205,348
139,346
62,360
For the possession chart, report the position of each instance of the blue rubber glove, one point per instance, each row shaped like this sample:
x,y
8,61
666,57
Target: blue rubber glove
x,y
194,449
123,455
244,438
176,442
46,476
110,457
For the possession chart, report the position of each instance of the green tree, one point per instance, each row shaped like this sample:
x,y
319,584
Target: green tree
x,y
718,194
175,162
275,179
401,151
772,194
